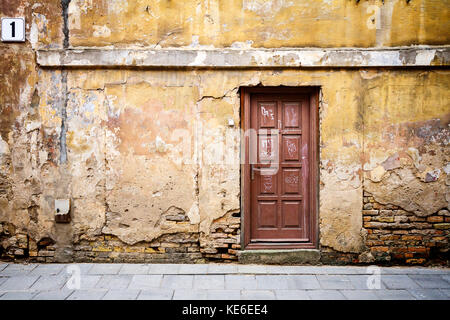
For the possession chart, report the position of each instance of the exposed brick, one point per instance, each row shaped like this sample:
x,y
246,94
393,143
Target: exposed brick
x,y
435,219
442,226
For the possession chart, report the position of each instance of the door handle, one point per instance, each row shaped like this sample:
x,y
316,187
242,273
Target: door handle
x,y
253,169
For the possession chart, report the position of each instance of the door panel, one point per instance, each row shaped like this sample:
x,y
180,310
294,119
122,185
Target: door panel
x,y
280,182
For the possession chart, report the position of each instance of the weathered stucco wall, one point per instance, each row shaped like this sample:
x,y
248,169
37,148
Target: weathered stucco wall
x,y
149,160
258,23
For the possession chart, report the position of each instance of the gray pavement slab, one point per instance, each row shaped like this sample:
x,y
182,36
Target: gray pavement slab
x,y
335,282
18,295
121,295
209,281
257,295
156,294
325,295
428,294
223,294
430,281
96,294
252,269
193,269
222,268
86,281
134,269
18,283
399,282
267,282
177,281
49,283
362,282
48,270
185,294
3,266
292,295
360,294
240,281
164,269
303,282
119,282
17,269
147,281
53,295
394,295
446,291
414,270
104,268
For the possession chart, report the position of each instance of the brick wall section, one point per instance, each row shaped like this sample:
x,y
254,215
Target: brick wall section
x,y
221,245
398,236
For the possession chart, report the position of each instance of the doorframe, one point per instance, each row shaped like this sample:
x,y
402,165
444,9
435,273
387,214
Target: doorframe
x,y
245,95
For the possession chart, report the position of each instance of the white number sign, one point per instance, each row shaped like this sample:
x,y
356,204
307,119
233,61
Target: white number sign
x,y
13,29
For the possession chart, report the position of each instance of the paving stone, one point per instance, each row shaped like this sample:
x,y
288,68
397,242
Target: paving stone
x,y
257,295
184,294
446,277
336,282
414,270
252,269
325,295
134,269
156,294
446,292
50,283
103,268
394,295
430,281
48,269
3,280
86,282
399,282
291,295
89,281
360,282
3,266
360,294
209,281
53,295
222,268
147,281
238,281
428,294
177,281
121,295
304,281
340,270
17,269
164,269
224,294
18,283
84,267
18,295
114,282
87,294
193,269
272,282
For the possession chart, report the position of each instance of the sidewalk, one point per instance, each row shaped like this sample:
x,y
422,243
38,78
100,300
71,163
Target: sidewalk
x,y
219,282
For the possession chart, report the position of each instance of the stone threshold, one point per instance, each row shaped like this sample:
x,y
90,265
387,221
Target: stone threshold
x,y
278,256
417,56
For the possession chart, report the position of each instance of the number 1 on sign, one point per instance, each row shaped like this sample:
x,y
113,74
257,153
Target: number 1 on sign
x,y
13,29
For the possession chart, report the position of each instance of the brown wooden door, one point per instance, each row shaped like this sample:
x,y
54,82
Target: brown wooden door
x,y
279,169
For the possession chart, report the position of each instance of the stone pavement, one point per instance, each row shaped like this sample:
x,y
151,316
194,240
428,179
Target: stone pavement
x,y
219,282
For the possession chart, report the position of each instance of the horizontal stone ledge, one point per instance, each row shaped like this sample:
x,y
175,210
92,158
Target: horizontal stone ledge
x,y
249,58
